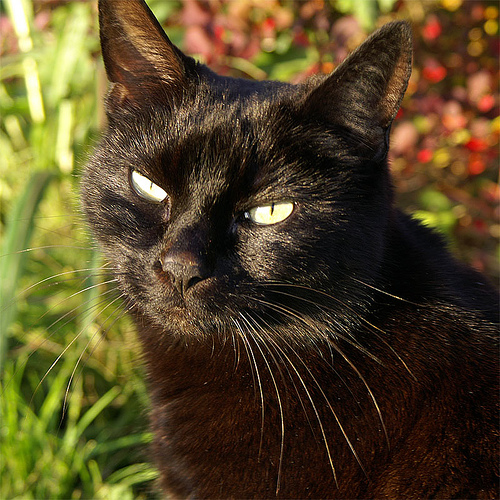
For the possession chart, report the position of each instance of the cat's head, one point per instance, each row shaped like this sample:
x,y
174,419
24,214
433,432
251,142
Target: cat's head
x,y
220,201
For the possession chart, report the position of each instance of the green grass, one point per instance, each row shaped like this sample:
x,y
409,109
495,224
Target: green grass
x,y
73,401
72,395
51,450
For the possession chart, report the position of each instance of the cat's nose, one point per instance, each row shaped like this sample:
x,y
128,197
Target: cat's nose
x,y
184,269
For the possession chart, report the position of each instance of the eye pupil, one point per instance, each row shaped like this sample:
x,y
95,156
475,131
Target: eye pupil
x,y
266,215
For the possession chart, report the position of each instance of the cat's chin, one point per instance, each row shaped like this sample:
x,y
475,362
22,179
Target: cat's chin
x,y
178,322
196,313
180,319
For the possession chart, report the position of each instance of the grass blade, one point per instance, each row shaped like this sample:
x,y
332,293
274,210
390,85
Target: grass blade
x,y
17,237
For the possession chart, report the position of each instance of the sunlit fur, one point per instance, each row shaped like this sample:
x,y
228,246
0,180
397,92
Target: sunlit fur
x,y
340,353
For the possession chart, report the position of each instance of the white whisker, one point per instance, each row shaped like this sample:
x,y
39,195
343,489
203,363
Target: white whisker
x,y
257,336
100,331
253,363
361,318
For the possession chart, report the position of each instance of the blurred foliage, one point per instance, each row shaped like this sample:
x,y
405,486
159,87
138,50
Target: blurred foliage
x,y
73,396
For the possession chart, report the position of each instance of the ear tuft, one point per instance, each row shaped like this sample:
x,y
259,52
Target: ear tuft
x,y
140,61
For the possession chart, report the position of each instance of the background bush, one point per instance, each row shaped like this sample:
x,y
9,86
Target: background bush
x,y
73,401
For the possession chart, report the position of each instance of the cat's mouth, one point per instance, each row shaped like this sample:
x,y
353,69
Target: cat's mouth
x,y
199,310
191,302
205,307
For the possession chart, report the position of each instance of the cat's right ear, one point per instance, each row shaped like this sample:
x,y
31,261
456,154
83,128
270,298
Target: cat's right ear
x,y
141,62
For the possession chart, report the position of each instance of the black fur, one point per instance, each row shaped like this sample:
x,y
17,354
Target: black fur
x,y
340,353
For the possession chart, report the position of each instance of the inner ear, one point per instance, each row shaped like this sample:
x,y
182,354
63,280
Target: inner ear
x,y
139,58
397,83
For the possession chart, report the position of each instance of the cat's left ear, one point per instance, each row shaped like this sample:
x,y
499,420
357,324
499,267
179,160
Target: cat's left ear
x,y
366,90
141,62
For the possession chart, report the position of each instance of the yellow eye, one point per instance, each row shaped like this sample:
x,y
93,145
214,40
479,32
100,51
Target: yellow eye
x,y
270,214
145,188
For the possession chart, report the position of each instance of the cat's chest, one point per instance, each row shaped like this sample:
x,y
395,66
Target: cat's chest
x,y
258,425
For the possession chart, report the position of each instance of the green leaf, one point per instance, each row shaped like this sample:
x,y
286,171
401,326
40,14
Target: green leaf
x,y
12,257
69,51
435,201
386,5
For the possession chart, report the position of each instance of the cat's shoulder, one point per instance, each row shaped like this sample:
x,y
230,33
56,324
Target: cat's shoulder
x,y
428,258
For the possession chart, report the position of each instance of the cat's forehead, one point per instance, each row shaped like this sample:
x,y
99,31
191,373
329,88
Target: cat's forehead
x,y
224,128
216,161
235,102
229,137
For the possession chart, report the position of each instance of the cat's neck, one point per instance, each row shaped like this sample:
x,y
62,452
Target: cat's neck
x,y
252,404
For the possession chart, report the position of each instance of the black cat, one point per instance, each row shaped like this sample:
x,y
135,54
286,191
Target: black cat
x,y
304,338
